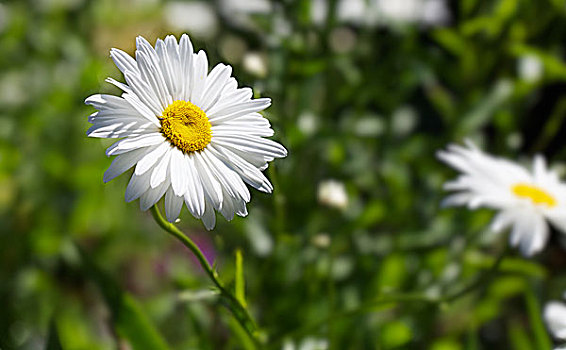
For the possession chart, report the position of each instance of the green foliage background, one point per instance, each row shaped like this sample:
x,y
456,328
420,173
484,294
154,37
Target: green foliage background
x,y
368,104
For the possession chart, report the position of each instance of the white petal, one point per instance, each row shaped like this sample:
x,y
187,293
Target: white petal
x,y
186,56
247,171
168,53
154,78
124,162
230,96
122,128
119,85
145,93
229,180
215,83
228,129
537,238
151,158
209,217
228,209
161,170
238,110
194,197
210,185
153,195
123,61
558,218
539,167
530,233
130,143
252,144
198,79
173,205
141,108
137,186
179,172
502,220
455,200
107,102
555,318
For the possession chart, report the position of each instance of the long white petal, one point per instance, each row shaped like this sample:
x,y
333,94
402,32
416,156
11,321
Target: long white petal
x,y
137,186
252,144
194,197
153,195
186,56
154,78
247,171
210,185
179,172
173,205
215,83
151,158
130,143
198,80
123,61
229,180
209,217
238,110
161,170
124,162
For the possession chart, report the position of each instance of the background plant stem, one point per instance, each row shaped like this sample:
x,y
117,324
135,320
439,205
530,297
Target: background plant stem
x,y
239,312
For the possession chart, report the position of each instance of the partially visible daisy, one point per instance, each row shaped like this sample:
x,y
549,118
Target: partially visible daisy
x,y
333,194
525,199
555,319
192,135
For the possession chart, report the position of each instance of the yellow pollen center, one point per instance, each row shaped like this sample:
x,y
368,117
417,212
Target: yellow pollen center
x,y
535,194
186,126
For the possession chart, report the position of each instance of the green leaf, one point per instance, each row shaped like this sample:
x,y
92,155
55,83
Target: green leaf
x,y
133,324
534,311
53,341
129,319
240,287
518,337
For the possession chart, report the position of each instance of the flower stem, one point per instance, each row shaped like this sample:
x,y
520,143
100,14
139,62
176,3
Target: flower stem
x,y
239,312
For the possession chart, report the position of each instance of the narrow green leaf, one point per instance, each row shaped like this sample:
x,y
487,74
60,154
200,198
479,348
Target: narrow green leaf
x,y
552,126
240,287
53,341
133,324
542,340
130,321
518,337
240,333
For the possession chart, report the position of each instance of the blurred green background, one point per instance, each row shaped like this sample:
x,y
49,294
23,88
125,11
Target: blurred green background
x,y
364,93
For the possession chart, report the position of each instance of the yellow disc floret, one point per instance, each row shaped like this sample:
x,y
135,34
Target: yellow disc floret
x,y
535,194
186,126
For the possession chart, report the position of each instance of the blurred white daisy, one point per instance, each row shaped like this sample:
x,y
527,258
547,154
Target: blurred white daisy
x,y
332,193
193,136
524,198
555,318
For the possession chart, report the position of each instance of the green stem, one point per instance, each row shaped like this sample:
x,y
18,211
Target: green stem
x,y
362,309
394,298
239,312
482,280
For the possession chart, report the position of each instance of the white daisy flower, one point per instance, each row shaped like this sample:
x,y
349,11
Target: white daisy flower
x,y
192,135
333,194
524,198
555,318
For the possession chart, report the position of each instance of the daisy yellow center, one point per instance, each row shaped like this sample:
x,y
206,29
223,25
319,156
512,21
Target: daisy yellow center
x,y
535,194
186,126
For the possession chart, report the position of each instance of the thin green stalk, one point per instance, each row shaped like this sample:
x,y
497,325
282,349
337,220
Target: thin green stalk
x,y
393,299
362,309
482,280
239,312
